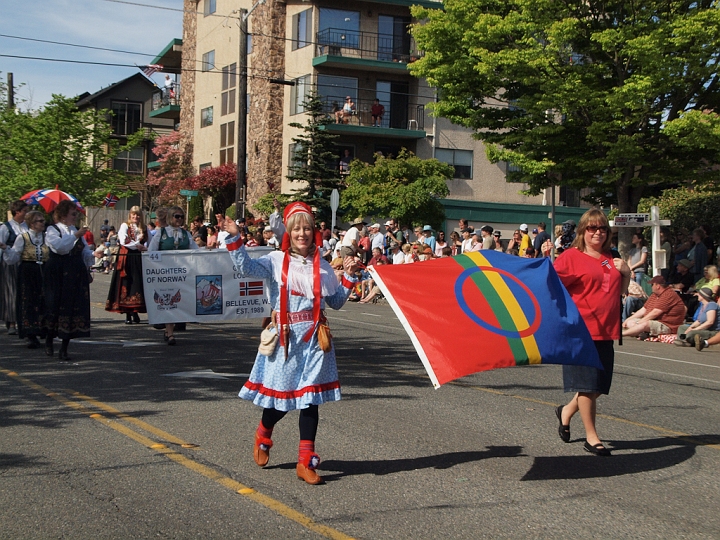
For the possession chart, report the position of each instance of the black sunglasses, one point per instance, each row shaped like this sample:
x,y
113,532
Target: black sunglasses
x,y
178,216
595,228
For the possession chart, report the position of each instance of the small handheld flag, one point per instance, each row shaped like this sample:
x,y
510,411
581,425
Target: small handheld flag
x,y
486,310
110,200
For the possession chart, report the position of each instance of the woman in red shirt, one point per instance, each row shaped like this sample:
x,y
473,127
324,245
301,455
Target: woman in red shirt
x,y
595,281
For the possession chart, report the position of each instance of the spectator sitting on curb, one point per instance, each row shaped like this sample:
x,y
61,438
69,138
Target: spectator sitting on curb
x,y
707,323
662,313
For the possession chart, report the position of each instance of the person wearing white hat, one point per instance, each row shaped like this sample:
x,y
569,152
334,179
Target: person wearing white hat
x,y
526,242
377,240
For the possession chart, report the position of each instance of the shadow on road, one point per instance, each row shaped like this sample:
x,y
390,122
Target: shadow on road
x,y
651,455
383,467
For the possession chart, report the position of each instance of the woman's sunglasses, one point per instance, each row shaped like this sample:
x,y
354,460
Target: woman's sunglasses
x,y
595,228
178,216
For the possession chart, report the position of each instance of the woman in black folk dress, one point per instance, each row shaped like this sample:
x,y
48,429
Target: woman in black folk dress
x,y
66,280
126,287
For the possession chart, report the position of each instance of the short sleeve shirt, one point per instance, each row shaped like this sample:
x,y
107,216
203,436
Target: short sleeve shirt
x,y
594,285
671,305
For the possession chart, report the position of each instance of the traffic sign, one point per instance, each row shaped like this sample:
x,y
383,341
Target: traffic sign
x,y
188,193
631,220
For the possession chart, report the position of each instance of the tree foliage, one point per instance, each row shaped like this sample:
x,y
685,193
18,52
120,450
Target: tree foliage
x,y
314,164
612,95
60,145
686,209
406,188
165,182
218,183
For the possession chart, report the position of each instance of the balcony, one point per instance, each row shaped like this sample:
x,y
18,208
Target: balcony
x,y
434,4
340,48
166,103
401,120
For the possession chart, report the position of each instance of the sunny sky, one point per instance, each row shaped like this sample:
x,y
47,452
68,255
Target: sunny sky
x,y
110,24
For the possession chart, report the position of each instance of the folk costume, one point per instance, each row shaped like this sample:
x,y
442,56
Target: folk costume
x,y
31,253
298,374
9,231
66,282
126,286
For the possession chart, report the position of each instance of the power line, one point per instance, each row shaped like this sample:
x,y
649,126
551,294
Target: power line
x,y
179,10
110,64
75,45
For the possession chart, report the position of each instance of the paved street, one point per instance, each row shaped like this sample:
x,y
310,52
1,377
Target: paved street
x,y
135,439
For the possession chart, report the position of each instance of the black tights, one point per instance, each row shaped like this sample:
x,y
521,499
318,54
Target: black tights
x,y
308,421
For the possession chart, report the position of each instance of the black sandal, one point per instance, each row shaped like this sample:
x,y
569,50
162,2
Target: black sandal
x,y
563,430
597,449
171,340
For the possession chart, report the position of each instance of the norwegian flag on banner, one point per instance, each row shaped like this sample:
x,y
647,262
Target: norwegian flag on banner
x,y
251,288
110,200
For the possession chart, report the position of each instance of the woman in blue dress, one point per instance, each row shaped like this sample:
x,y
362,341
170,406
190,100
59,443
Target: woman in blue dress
x,y
298,374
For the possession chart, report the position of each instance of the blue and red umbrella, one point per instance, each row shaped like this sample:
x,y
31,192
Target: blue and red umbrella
x,y
50,198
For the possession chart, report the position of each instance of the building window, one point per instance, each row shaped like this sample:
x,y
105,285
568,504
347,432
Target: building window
x,y
249,44
295,159
339,28
208,61
129,161
227,142
298,94
126,117
228,96
301,29
334,89
462,160
204,166
206,117
209,7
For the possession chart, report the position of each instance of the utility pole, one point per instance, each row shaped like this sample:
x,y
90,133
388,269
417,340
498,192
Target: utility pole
x,y
241,159
10,92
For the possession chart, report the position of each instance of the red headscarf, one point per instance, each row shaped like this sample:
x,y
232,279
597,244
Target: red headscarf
x,y
291,210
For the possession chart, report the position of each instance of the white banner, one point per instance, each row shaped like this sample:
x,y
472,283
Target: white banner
x,y
201,286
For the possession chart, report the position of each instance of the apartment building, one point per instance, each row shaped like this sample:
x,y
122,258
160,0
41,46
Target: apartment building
x,y
355,49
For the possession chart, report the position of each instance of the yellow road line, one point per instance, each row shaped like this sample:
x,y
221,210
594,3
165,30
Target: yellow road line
x,y
132,420
225,481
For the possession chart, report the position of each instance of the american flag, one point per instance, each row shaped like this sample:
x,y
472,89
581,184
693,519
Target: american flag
x,y
110,200
150,69
251,288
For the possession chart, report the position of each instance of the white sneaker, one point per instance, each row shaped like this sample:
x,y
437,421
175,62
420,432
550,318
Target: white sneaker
x,y
12,331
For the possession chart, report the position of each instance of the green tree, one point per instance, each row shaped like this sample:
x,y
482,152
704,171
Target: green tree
x,y
60,145
314,159
613,96
406,188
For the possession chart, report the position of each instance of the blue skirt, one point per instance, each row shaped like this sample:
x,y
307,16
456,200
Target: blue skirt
x,y
589,379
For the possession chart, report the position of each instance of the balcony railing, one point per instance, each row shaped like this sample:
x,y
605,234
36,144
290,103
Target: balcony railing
x,y
396,116
166,96
365,45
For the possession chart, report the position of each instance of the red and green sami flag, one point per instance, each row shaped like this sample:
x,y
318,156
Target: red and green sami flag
x,y
486,310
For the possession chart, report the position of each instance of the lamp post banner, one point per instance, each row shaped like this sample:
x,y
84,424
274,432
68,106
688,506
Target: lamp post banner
x,y
200,286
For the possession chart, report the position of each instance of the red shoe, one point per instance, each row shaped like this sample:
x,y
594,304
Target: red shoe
x,y
307,474
261,456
